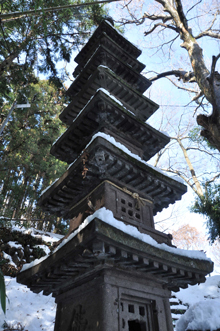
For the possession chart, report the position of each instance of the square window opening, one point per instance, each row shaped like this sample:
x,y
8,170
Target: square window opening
x,y
141,310
131,308
130,213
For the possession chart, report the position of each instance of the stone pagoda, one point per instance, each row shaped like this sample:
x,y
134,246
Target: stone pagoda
x,y
107,275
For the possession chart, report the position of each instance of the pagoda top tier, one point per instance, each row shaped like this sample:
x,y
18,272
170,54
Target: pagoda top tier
x,y
118,41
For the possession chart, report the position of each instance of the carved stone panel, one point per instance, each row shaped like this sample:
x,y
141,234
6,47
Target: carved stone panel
x,y
78,321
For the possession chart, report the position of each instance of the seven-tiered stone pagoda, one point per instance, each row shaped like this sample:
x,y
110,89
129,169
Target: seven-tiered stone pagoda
x,y
105,275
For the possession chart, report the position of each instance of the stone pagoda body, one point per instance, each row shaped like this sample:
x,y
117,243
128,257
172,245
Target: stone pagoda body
x,y
106,275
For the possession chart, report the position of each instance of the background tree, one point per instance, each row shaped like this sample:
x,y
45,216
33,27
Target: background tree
x,y
216,252
32,45
188,237
40,41
190,158
26,166
209,205
182,41
167,23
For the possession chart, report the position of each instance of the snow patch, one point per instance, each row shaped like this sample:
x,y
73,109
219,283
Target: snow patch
x,y
35,312
203,315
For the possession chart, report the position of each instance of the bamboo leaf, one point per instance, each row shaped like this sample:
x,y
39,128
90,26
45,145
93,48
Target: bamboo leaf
x,y
2,292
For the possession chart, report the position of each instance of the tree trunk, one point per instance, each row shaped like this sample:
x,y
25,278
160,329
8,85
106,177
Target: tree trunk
x,y
209,83
20,199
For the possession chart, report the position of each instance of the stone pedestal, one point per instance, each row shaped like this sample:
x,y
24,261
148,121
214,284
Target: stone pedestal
x,y
113,300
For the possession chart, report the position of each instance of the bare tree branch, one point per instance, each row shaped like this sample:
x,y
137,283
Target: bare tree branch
x,y
180,11
153,17
199,105
186,76
160,24
199,191
193,6
208,31
213,179
208,34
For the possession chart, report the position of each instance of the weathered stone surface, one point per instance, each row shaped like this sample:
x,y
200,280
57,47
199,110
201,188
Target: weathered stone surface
x,y
98,246
116,37
105,161
103,112
102,77
105,279
113,47
103,57
127,206
114,300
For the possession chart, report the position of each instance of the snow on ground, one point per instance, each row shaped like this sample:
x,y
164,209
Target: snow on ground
x,y
204,306
204,315
35,312
49,237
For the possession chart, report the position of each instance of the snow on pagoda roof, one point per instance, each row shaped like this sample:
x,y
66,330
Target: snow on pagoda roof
x,y
107,216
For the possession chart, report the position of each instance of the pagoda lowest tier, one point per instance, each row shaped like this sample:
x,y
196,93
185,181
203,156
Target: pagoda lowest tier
x,y
105,279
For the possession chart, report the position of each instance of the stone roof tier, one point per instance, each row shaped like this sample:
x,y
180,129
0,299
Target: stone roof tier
x,y
114,48
103,56
126,94
104,113
101,246
116,37
103,160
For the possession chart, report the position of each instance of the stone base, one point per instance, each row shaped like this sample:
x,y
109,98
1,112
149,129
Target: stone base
x,y
113,300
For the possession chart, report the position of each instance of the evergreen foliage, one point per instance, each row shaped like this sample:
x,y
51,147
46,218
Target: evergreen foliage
x,y
26,166
194,136
40,41
34,44
209,206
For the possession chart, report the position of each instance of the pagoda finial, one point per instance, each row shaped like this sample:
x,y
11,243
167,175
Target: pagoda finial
x,y
109,19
